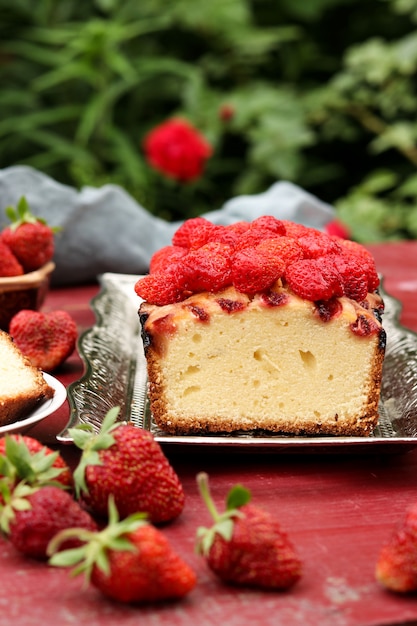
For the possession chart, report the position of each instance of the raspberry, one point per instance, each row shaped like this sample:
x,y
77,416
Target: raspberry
x,y
316,244
165,257
208,268
161,288
309,281
254,270
284,247
364,258
193,233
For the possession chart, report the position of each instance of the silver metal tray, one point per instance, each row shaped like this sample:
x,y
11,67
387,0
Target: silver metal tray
x,y
115,375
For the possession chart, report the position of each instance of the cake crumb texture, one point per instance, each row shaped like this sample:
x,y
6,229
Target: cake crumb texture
x,y
22,386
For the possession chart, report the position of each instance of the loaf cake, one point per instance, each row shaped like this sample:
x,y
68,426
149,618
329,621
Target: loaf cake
x,y
22,386
263,326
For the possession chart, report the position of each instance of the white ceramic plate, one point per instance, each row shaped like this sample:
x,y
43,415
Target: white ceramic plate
x,y
43,410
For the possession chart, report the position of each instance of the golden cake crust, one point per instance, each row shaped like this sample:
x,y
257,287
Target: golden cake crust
x,y
22,386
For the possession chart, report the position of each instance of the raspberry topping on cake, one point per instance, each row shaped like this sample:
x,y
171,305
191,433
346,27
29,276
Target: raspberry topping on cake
x,y
253,258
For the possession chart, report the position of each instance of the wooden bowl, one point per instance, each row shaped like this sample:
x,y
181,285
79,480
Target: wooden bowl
x,y
23,292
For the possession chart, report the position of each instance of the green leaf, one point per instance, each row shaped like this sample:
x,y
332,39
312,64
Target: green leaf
x,y
225,529
237,497
67,558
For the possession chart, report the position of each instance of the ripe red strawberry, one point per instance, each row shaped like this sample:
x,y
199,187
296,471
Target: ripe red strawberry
x,y
165,257
126,461
30,239
162,287
32,516
352,274
9,265
194,233
308,279
129,561
294,230
47,339
208,268
254,270
364,258
23,458
246,545
238,228
317,244
283,247
254,236
270,223
396,567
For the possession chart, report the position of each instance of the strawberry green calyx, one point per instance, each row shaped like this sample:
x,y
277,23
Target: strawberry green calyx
x,y
223,522
96,544
91,444
13,499
21,214
18,463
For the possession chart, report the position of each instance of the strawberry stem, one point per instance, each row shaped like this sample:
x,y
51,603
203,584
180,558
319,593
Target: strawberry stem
x,y
203,485
223,522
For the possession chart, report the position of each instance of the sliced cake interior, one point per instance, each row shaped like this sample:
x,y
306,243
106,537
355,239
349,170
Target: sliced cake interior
x,y
227,362
22,386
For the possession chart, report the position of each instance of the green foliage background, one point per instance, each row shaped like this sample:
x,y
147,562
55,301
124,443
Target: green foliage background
x,y
324,95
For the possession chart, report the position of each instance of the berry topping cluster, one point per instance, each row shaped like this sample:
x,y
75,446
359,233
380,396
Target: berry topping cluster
x,y
252,257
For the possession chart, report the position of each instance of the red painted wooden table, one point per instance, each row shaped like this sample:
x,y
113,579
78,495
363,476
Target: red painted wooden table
x,y
338,510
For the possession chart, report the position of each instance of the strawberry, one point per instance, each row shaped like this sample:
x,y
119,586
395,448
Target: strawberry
x,y
30,238
165,257
316,244
310,280
207,268
9,265
25,458
126,461
254,269
129,561
283,247
31,516
364,258
246,545
352,274
193,233
162,287
294,230
396,567
47,339
270,223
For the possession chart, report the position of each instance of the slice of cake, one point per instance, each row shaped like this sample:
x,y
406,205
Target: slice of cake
x,y
22,386
268,325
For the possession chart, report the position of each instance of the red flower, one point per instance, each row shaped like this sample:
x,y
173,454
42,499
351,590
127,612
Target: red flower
x,y
226,112
177,149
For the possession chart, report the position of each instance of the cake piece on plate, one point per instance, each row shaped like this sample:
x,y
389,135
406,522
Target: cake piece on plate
x,y
266,325
22,386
